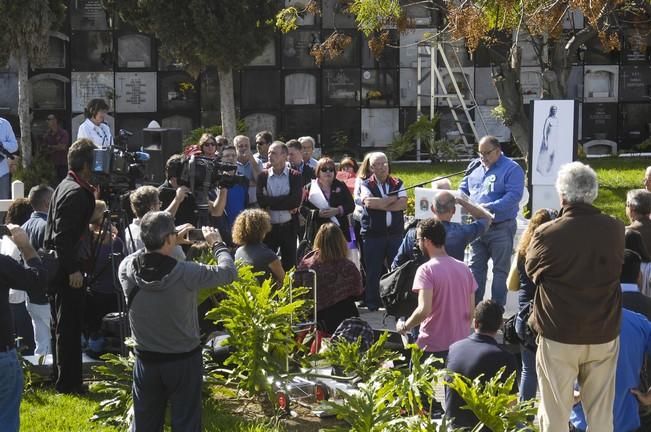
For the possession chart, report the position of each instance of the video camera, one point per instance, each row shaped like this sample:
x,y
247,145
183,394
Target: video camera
x,y
201,174
118,168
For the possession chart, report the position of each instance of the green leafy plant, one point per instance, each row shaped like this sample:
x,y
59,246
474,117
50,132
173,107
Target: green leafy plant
x,y
195,134
41,171
493,402
258,319
423,129
115,381
349,356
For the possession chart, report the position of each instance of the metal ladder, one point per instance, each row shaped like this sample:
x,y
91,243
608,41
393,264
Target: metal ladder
x,y
429,50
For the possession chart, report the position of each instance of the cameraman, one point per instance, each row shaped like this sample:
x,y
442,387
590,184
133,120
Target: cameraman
x,y
8,144
30,279
162,301
71,208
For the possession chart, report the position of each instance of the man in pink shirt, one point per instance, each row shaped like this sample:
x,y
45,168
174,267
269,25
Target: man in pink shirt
x,y
446,289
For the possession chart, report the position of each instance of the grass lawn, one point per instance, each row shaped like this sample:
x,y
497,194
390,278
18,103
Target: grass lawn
x,y
616,177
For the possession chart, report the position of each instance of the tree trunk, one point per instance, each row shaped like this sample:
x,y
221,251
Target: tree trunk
x,y
506,79
23,110
227,102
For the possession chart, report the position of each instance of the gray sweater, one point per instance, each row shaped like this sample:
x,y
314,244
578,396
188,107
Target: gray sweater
x,y
163,314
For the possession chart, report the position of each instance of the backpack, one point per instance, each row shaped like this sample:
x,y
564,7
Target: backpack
x,y
395,289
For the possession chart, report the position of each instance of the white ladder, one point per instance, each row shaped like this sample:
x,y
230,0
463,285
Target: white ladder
x,y
430,49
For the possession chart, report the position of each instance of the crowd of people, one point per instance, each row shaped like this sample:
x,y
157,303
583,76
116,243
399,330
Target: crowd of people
x,y
575,268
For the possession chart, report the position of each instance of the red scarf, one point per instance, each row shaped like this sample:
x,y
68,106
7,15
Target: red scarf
x,y
81,182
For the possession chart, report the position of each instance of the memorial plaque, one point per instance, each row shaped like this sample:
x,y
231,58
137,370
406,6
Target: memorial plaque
x,y
379,126
485,91
134,51
92,51
266,57
260,89
388,58
635,46
409,50
487,124
335,15
91,85
379,88
135,92
88,15
308,19
177,91
350,57
8,93
464,78
600,83
408,87
299,122
457,54
341,87
57,53
178,122
296,46
260,121
599,121
49,92
341,130
596,55
635,83
573,20
531,83
301,88
634,124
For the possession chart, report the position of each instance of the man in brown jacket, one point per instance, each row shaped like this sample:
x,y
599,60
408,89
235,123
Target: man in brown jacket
x,y
575,262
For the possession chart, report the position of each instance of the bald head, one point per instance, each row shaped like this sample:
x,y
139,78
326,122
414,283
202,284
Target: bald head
x,y
444,205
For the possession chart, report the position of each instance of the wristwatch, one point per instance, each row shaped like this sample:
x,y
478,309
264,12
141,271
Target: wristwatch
x,y
219,244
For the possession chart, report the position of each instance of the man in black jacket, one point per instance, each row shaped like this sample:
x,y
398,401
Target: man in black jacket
x,y
31,279
70,211
279,191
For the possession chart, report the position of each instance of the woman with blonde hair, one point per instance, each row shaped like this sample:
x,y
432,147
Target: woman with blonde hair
x,y
339,282
250,228
528,379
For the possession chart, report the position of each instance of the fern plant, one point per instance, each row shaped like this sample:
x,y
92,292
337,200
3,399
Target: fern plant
x,y
493,402
349,356
258,319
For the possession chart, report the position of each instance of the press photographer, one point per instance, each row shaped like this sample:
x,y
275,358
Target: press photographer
x,y
70,211
162,299
8,146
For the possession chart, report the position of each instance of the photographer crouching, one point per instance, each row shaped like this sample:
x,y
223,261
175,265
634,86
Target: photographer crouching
x,y
161,297
31,279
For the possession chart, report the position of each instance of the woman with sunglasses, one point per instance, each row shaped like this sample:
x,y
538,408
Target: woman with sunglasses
x,y
209,146
327,198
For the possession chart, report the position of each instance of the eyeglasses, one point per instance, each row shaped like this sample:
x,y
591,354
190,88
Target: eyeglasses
x,y
328,169
486,153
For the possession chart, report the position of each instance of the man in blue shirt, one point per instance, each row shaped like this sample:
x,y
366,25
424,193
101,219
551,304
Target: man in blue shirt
x,y
496,183
9,144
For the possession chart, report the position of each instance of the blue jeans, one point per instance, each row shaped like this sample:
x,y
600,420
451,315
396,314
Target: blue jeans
x,y
11,391
528,378
157,382
496,244
378,251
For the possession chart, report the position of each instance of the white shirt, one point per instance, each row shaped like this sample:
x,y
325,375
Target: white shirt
x,y
99,135
8,140
9,248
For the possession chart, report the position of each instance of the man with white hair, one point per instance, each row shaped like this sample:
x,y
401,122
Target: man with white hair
x,y
638,209
307,143
575,262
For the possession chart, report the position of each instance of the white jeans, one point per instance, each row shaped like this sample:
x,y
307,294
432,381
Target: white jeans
x,y
41,317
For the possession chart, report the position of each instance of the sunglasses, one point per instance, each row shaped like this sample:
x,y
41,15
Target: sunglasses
x,y
328,169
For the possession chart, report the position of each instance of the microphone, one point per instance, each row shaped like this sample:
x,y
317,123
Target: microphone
x,y
476,163
124,132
